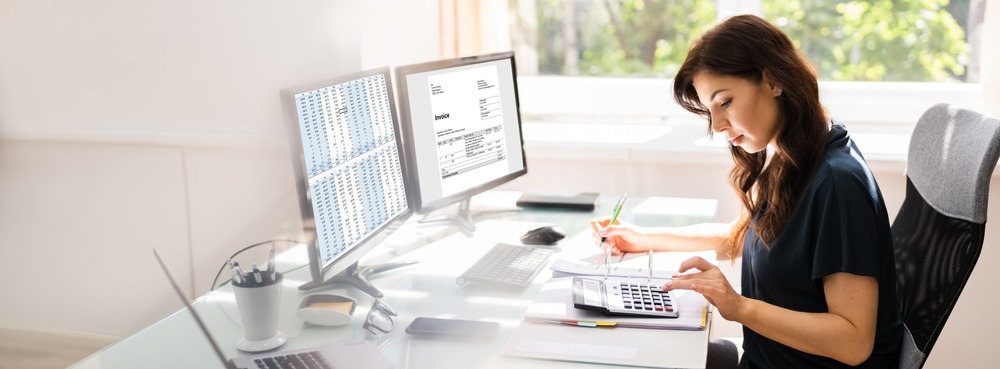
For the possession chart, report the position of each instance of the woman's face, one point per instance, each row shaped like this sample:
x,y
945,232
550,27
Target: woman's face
x,y
746,112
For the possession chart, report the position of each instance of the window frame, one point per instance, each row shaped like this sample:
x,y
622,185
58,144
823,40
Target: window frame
x,y
870,106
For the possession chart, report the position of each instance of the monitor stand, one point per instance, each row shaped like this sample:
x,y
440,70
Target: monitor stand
x,y
466,219
357,276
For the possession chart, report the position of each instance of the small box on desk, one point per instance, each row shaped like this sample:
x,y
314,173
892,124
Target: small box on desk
x,y
582,201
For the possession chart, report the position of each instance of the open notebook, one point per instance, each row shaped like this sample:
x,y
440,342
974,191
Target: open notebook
x,y
554,304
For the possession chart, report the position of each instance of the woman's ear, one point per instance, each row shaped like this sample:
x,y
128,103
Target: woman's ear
x,y
771,86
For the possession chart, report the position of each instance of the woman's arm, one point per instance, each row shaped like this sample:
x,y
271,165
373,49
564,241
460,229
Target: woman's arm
x,y
845,333
695,237
625,237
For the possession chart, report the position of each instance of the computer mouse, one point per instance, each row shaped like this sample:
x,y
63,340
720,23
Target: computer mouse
x,y
547,235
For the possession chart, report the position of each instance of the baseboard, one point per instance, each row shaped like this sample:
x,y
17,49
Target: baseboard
x,y
47,348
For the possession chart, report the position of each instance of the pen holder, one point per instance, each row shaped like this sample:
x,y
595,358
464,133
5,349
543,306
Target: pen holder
x,y
259,305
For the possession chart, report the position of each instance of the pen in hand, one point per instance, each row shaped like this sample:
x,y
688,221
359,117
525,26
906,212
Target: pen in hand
x,y
614,218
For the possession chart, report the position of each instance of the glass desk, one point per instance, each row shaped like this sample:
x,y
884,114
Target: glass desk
x,y
424,289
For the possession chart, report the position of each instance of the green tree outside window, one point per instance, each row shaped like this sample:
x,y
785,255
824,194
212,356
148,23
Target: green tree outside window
x,y
875,40
881,40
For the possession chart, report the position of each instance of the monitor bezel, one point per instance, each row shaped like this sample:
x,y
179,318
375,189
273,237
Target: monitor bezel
x,y
416,200
351,256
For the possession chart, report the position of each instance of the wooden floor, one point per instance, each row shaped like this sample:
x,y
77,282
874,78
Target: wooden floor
x,y
33,349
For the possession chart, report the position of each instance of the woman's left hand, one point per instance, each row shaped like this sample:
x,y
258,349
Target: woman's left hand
x,y
709,282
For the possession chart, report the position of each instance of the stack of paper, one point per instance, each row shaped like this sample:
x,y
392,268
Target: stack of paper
x,y
631,265
554,304
566,267
613,340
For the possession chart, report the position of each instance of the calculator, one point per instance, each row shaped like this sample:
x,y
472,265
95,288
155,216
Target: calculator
x,y
624,296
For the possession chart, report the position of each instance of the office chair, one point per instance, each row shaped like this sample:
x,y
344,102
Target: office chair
x,y
939,230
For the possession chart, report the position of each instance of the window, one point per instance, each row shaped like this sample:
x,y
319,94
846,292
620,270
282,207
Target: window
x,y
926,48
875,40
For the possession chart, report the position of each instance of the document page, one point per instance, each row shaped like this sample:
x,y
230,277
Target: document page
x,y
468,124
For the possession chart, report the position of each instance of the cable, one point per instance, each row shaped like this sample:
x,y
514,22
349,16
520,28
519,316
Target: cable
x,y
216,279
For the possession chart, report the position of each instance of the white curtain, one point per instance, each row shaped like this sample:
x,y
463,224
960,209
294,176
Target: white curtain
x,y
473,27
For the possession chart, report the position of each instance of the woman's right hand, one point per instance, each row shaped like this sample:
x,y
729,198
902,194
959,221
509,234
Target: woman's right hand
x,y
621,237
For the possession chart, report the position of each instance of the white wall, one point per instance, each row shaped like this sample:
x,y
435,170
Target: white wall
x,y
404,32
127,125
77,222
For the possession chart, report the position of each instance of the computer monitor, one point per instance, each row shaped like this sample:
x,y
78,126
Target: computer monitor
x,y
346,150
461,130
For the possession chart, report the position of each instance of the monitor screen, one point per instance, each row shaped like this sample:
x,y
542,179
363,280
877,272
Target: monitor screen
x,y
461,128
350,177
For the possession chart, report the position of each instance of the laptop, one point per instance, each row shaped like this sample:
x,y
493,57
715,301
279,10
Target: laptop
x,y
358,355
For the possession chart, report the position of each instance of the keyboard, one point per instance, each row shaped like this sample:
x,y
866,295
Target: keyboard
x,y
506,264
304,360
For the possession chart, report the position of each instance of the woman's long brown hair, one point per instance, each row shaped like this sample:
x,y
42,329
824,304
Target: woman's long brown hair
x,y
749,47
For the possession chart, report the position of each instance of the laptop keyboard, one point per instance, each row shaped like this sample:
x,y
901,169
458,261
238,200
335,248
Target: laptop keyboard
x,y
506,264
302,360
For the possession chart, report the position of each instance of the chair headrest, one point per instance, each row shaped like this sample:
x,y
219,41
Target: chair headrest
x,y
953,152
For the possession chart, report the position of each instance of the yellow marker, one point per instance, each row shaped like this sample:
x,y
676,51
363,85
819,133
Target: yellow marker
x,y
595,324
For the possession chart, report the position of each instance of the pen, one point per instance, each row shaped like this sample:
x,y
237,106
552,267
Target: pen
x,y
270,265
237,271
614,218
256,274
237,275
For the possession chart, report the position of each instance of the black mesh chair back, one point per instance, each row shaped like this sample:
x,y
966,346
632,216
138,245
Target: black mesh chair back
x,y
938,232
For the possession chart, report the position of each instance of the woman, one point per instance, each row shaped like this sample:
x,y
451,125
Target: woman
x,y
818,271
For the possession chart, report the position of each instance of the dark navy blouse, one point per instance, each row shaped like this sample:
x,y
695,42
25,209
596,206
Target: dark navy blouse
x,y
839,225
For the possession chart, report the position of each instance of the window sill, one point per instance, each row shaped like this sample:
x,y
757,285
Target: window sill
x,y
885,149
